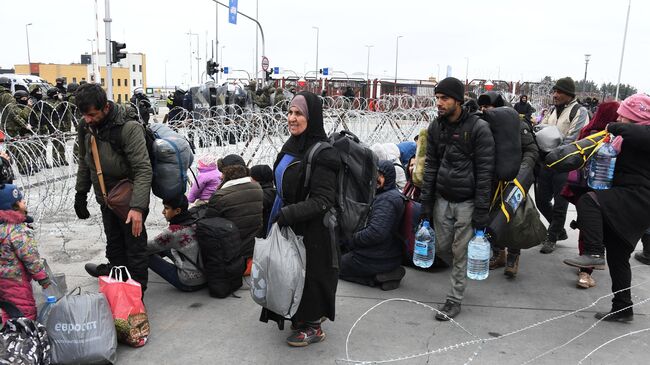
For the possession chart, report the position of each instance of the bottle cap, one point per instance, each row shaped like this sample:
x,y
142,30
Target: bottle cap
x,y
480,233
425,223
51,299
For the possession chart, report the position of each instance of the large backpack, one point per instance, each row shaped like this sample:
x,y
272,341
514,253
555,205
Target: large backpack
x,y
23,341
356,181
170,155
220,250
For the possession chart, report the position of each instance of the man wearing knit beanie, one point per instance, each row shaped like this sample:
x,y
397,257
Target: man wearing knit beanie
x,y
569,117
457,182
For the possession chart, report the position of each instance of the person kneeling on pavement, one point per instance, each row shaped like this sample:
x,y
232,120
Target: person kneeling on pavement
x,y
177,242
376,250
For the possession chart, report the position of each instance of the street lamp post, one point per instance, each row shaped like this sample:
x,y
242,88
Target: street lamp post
x,y
221,60
29,58
190,34
467,71
93,76
584,82
396,58
166,75
368,64
317,38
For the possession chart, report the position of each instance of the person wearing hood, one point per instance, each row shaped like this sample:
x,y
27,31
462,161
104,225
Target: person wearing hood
x,y
207,181
524,108
376,250
177,242
126,239
306,206
391,152
617,218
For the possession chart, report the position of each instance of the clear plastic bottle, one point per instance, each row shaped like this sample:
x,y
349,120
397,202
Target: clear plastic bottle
x,y
44,313
601,167
478,257
425,246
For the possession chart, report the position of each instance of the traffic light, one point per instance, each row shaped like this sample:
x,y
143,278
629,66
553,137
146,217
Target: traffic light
x,y
212,68
268,74
118,51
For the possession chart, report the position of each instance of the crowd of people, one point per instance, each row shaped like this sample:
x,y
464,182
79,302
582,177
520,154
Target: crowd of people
x,y
459,177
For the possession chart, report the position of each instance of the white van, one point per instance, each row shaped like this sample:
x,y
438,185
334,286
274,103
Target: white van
x,y
22,82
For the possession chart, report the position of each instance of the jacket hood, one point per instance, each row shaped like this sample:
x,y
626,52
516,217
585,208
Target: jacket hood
x,y
12,217
492,98
406,151
386,151
387,169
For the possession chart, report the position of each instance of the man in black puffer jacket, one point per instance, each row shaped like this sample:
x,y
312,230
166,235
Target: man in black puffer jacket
x,y
376,250
458,177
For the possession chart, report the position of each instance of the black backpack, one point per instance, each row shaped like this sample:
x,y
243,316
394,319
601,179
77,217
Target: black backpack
x,y
220,250
356,181
23,341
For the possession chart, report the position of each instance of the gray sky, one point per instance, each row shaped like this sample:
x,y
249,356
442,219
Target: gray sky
x,y
506,39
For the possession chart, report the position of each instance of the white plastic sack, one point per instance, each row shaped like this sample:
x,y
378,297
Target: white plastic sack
x,y
172,158
548,137
81,330
278,271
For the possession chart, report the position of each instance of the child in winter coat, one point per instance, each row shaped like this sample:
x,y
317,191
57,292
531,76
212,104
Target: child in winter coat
x,y
19,258
177,242
207,182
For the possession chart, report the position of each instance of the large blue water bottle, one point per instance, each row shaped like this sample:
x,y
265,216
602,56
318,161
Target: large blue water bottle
x,y
425,246
478,257
44,313
601,167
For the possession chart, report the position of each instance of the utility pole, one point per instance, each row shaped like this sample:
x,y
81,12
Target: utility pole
x,y
368,63
584,82
620,66
190,34
109,55
396,58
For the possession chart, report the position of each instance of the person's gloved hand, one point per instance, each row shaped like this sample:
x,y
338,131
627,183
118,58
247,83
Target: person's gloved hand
x,y
480,218
81,206
45,283
281,221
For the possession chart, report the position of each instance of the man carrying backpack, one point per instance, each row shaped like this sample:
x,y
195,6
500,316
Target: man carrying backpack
x,y
126,239
569,117
458,176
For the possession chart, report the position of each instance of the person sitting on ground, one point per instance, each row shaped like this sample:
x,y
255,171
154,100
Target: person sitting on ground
x,y
264,176
239,199
390,151
207,181
376,250
178,243
618,217
20,261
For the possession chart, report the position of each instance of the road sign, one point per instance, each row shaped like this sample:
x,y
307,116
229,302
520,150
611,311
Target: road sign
x,y
276,70
226,70
232,12
265,63
326,71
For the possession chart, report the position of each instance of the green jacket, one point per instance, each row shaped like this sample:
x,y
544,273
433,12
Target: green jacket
x,y
131,163
10,114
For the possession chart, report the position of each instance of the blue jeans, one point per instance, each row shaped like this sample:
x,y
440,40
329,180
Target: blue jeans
x,y
169,272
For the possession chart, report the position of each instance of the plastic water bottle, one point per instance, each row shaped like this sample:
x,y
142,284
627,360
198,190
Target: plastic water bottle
x,y
44,313
478,257
425,246
601,167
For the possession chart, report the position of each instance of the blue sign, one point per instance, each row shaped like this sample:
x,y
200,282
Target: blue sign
x,y
225,70
326,71
232,12
276,70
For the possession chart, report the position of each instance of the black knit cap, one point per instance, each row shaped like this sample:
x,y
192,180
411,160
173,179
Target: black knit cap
x,y
451,87
232,160
566,85
262,173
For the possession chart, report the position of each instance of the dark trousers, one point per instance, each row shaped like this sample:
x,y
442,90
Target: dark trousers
x,y
169,272
597,233
123,249
363,270
549,201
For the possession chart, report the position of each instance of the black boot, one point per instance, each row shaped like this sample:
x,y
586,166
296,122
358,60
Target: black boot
x,y
644,257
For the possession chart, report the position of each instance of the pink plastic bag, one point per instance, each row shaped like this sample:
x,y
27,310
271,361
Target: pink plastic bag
x,y
125,299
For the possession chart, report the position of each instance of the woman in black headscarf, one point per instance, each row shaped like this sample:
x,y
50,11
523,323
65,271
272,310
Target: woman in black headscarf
x,y
303,205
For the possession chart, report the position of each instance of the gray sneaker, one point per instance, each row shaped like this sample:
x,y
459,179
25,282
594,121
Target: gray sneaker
x,y
596,262
548,246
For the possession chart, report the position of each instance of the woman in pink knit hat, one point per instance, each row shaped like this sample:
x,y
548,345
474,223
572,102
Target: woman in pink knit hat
x,y
617,217
207,182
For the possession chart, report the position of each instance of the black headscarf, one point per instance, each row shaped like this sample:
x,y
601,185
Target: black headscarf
x,y
315,132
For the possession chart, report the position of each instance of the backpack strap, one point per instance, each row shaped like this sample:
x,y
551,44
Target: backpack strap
x,y
313,152
574,111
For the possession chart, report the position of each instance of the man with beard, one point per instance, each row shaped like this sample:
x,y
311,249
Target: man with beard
x,y
458,177
569,117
